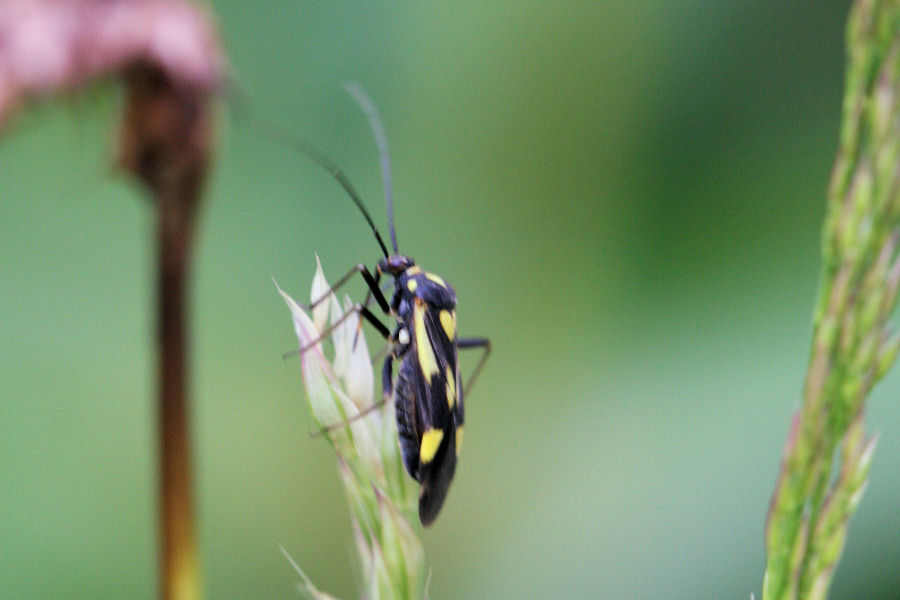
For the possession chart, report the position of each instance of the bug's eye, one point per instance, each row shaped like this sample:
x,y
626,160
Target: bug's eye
x,y
403,336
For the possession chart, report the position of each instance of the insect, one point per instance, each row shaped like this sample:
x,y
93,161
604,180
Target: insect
x,y
428,392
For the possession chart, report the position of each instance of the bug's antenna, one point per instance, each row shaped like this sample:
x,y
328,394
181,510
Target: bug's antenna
x,y
365,103
239,106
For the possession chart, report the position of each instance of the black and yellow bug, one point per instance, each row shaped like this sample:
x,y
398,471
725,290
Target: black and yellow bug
x,y
428,393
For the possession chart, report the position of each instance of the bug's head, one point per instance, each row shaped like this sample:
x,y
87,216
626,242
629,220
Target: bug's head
x,y
395,265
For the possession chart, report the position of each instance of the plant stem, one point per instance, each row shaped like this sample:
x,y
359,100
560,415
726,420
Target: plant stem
x,y
827,455
165,142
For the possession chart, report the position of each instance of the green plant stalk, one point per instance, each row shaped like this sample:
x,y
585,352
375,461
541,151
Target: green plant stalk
x,y
852,345
382,500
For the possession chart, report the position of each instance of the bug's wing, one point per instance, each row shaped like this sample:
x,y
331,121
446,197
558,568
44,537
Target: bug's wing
x,y
436,405
436,352
436,479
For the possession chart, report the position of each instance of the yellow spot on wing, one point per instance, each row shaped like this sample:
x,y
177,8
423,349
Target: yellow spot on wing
x,y
436,279
428,447
451,388
448,320
459,437
411,285
427,360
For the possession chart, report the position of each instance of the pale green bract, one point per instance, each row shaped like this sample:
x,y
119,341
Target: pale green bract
x,y
381,496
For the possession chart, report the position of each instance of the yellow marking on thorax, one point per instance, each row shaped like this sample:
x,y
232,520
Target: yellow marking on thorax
x,y
436,279
428,447
451,388
459,438
448,320
411,285
427,360
414,270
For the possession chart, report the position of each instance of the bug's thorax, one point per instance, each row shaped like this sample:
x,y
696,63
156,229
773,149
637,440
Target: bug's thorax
x,y
416,292
413,284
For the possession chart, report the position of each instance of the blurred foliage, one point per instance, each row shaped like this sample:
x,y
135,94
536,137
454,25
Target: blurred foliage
x,y
627,199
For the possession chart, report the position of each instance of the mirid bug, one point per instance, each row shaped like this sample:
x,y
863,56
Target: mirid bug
x,y
428,392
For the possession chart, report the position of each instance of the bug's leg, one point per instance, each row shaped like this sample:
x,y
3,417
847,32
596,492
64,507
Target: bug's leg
x,y
387,379
381,327
349,420
388,390
358,309
382,352
371,281
366,303
369,293
485,345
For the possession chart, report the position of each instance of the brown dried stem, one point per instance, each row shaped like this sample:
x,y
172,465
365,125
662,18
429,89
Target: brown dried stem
x,y
167,54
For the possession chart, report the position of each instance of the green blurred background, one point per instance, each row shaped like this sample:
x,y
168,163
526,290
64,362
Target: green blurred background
x,y
627,198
